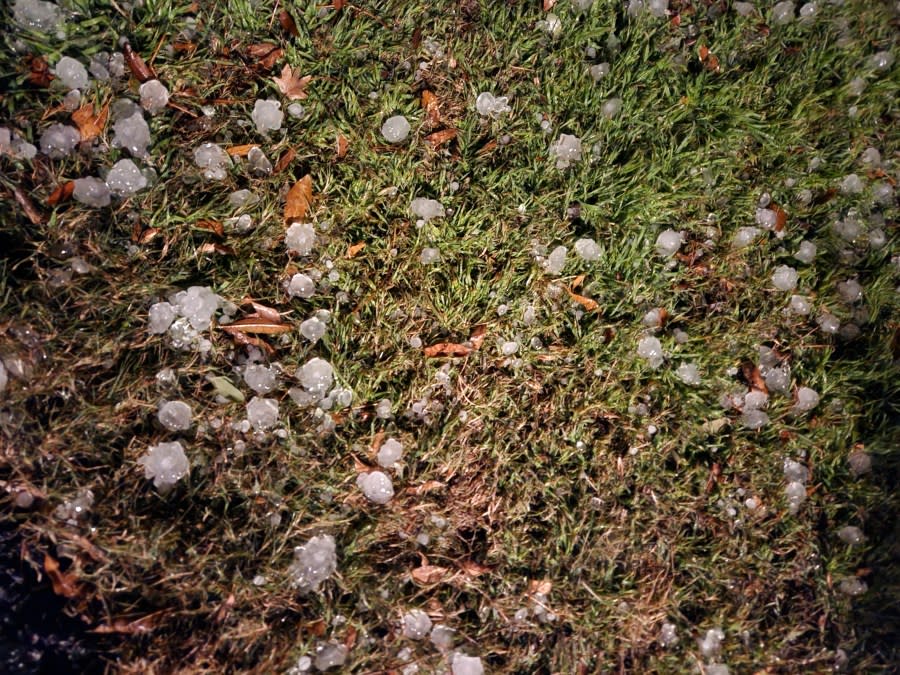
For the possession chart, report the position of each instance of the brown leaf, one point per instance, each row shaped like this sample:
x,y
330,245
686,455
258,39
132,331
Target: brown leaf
x,y
350,637
121,626
754,378
244,339
316,628
62,193
39,71
704,52
488,147
355,248
426,487
262,311
240,150
64,583
338,5
549,4
35,216
90,125
588,304
266,54
299,198
184,47
542,586
216,247
213,226
341,145
472,568
780,216
286,158
477,337
287,23
139,68
291,84
447,349
438,138
429,574
431,106
256,325
224,609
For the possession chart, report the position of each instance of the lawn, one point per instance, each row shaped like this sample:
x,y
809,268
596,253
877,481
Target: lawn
x,y
639,358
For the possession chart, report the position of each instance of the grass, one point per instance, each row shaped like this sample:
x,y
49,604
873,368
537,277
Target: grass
x,y
541,467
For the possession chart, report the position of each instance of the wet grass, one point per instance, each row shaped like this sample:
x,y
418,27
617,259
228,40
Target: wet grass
x,y
543,467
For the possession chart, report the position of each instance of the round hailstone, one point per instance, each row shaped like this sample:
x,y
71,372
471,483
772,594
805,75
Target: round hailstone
x,y
376,486
745,236
509,348
778,379
154,96
783,13
316,376
489,105
851,290
442,637
175,415
668,242
852,184
132,133
599,71
784,278
395,129
314,562
567,150
213,159
260,165
807,399
851,535
161,316
262,413
754,419
261,379
466,665
426,209
165,464
668,635
429,256
312,329
588,250
611,108
881,60
300,238
806,253
58,140
301,286
91,192
267,115
688,373
390,452
556,261
650,348
416,624
125,178
828,323
800,305
71,73
330,655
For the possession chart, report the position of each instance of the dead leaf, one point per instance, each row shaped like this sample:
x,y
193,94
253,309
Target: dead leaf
x,y
291,84
588,304
213,226
90,125
549,4
287,23
426,487
216,247
256,325
138,67
754,378
338,5
266,54
704,52
35,216
184,47
298,200
262,311
477,337
244,339
430,105
451,349
39,71
780,216
121,626
438,138
542,586
64,583
350,637
488,147
355,248
472,568
316,628
341,145
240,150
429,574
286,158
62,193
224,609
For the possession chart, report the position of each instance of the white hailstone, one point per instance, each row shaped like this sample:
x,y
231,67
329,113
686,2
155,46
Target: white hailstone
x,y
587,249
260,165
489,105
658,8
262,413
71,73
240,198
72,100
132,133
175,415
650,348
778,379
4,377
213,160
807,252
301,286
313,329
754,419
744,8
261,379
426,209
91,192
717,669
58,140
165,464
314,562
556,261
668,635
461,664
711,643
851,535
161,316
599,71
857,86
389,453
668,242
395,129
416,624
809,11
807,399
800,305
11,143
611,108
877,238
567,150
755,400
795,472
376,486
125,178
881,60
766,218
828,323
850,290
509,348
296,110
300,238
154,96
330,655
267,115
852,184
853,586
429,256
38,15
860,463
785,278
383,409
883,192
688,373
442,637
871,157
553,27
783,12
745,236
197,304
680,336
316,376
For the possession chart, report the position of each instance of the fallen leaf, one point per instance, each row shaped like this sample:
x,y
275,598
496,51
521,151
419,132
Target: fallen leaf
x,y
355,248
426,487
291,84
216,247
224,609
298,200
713,427
244,339
712,63
488,147
240,150
429,574
447,349
213,226
338,5
542,586
316,628
287,23
754,378
64,583
138,67
341,145
438,138
477,337
549,4
62,193
472,568
39,71
35,216
577,281
704,52
256,325
184,46
265,53
224,387
430,105
122,627
780,216
262,311
350,637
588,304
286,158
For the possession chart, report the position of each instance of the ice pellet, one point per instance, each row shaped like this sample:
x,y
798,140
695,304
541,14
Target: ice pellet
x,y
745,236
175,415
668,635
416,624
599,71
850,290
161,316
429,256
71,73
556,261
466,665
785,278
213,160
262,413
395,129
783,12
800,305
267,115
125,178
611,108
316,376
567,150
261,379
300,238
711,643
668,242
313,329
587,249
852,535
650,348
688,373
376,486
301,286
132,133
58,140
165,464
154,96
807,399
38,15
314,562
489,105
389,453
330,655
426,209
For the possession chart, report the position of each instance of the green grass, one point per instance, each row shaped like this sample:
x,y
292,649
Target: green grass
x,y
545,471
